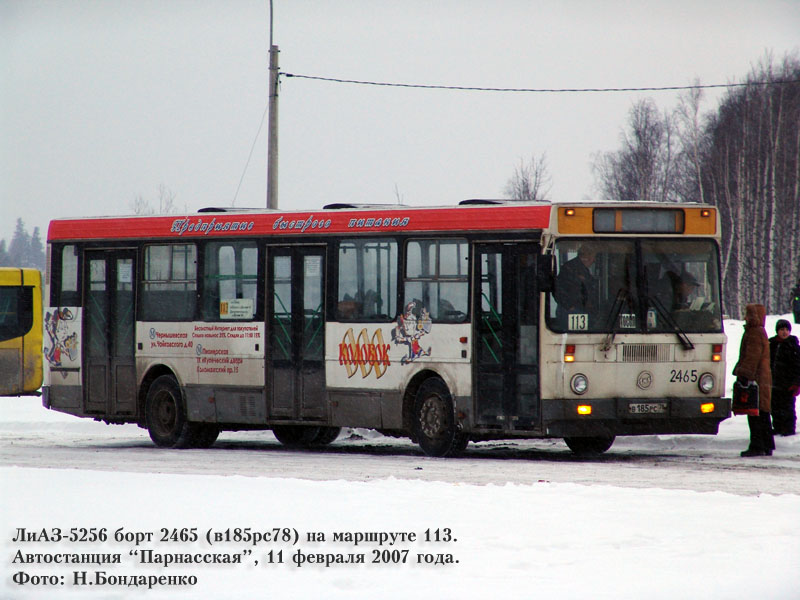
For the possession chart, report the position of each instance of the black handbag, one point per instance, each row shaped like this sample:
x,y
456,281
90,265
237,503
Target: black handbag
x,y
745,399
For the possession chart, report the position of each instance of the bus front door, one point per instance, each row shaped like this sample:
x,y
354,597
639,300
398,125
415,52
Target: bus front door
x,y
506,373
296,333
108,332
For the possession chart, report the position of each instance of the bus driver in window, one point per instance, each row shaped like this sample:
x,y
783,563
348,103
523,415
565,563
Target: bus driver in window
x,y
685,287
575,286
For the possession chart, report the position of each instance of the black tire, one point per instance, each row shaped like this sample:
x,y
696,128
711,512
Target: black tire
x,y
204,435
434,420
461,444
296,436
165,415
589,446
326,436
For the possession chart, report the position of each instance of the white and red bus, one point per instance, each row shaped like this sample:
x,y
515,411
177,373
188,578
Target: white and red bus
x,y
445,325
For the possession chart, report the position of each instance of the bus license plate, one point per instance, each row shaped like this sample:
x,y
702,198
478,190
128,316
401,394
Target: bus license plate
x,y
648,408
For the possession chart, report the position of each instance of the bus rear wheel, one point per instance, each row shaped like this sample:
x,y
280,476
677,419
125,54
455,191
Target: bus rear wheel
x,y
589,446
326,435
296,436
165,415
434,420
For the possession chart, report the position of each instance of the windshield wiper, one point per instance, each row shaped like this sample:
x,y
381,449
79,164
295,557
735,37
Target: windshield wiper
x,y
684,339
613,317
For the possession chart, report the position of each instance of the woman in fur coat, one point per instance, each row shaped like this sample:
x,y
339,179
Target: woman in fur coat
x,y
753,365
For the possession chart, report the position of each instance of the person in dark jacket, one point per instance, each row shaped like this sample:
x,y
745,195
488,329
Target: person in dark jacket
x,y
753,365
784,355
575,287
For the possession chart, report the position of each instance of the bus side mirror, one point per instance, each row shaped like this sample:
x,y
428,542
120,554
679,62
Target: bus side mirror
x,y
544,273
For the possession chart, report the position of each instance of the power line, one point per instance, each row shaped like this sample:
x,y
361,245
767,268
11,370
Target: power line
x,y
538,90
249,156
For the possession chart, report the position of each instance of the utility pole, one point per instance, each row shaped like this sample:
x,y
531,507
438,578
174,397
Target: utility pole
x,y
272,143
272,134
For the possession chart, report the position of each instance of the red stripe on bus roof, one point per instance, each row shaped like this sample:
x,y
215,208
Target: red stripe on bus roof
x,y
484,218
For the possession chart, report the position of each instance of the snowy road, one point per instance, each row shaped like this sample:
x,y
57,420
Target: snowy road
x,y
659,517
31,436
529,520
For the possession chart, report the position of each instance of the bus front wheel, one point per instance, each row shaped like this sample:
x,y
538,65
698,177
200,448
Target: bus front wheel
x,y
434,420
205,435
588,446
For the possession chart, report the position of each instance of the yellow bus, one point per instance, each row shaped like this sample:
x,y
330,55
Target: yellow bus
x,y
20,331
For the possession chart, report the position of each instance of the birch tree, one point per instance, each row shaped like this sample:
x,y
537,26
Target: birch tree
x,y
531,181
644,168
751,171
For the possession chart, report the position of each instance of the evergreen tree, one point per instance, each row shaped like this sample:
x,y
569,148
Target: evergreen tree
x,y
25,250
18,249
36,255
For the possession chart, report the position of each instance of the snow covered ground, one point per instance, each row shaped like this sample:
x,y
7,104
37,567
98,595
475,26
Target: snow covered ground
x,y
620,527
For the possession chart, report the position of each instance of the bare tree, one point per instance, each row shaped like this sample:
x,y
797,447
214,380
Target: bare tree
x,y
690,170
644,168
743,158
531,181
751,172
166,203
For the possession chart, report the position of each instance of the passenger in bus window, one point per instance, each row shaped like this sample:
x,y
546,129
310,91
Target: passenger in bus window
x,y
753,365
576,286
784,353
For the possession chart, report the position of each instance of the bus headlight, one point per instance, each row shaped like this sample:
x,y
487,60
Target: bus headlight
x,y
579,383
706,383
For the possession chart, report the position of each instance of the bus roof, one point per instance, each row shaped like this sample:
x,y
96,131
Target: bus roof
x,y
573,218
255,222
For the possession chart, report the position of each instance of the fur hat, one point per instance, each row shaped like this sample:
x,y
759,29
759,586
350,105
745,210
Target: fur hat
x,y
782,324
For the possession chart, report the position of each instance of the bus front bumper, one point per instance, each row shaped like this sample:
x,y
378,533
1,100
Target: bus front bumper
x,y
633,416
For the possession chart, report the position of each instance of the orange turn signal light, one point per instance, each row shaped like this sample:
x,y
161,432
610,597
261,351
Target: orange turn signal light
x,y
716,352
584,409
569,353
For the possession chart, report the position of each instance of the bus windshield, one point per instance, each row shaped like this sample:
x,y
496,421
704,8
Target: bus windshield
x,y
609,285
16,311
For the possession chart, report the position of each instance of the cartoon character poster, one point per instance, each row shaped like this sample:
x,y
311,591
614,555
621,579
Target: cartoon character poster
x,y
411,327
61,346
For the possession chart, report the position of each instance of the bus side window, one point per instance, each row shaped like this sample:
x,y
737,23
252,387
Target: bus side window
x,y
169,282
230,281
367,280
436,278
16,311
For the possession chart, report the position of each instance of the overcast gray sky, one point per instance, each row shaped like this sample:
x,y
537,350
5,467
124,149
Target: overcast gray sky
x,y
105,100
